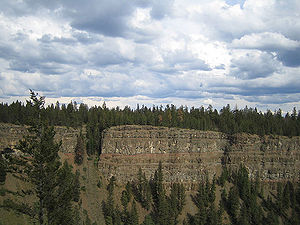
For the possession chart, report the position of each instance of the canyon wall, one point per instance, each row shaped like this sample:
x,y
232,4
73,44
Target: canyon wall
x,y
11,134
186,155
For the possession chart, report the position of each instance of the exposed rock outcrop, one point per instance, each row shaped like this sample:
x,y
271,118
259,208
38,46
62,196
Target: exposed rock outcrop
x,y
11,134
187,154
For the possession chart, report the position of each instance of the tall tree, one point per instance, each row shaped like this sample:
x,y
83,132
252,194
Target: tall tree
x,y
39,164
79,149
2,169
160,213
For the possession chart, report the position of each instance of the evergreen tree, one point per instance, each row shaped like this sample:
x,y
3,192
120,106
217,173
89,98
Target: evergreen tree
x,y
79,149
68,190
148,220
134,217
233,203
160,213
3,168
39,164
142,190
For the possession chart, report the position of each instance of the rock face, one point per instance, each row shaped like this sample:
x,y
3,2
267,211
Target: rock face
x,y
273,158
10,135
187,154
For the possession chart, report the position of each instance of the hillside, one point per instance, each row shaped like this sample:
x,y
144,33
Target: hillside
x,y
186,155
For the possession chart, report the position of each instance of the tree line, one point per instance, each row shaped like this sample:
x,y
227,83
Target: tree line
x,y
98,118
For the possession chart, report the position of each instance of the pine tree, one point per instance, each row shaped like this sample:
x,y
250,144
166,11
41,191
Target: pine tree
x,y
61,211
79,149
233,203
134,217
39,164
148,220
3,168
160,206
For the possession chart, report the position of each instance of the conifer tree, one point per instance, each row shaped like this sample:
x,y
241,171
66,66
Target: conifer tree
x,y
2,169
39,164
160,206
148,220
79,149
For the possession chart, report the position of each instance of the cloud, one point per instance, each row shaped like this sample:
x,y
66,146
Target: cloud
x,y
265,41
254,64
161,8
161,51
287,49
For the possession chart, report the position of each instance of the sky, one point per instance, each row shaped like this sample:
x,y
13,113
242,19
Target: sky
x,y
181,52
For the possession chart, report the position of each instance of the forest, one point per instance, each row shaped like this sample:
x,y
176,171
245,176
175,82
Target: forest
x,y
98,118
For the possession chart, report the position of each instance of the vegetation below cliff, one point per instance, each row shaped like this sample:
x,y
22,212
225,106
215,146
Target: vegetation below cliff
x,y
231,198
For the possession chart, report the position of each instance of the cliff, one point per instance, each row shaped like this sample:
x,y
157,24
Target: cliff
x,y
11,134
187,154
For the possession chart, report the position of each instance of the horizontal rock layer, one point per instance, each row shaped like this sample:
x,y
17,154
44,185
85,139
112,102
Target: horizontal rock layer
x,y
187,155
11,134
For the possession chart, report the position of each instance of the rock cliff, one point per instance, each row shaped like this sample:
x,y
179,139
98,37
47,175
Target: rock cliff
x,y
187,154
10,135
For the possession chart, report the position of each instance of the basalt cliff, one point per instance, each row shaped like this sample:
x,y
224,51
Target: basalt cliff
x,y
186,155
11,134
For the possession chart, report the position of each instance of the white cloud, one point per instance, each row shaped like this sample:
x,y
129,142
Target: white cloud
x,y
266,41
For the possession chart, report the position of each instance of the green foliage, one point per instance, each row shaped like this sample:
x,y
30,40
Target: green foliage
x,y
165,209
204,200
176,202
3,168
54,185
160,210
148,220
133,218
244,202
79,149
125,199
99,184
142,190
223,177
68,190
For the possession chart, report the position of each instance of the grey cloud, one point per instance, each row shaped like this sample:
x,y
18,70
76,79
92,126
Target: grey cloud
x,y
274,98
163,69
86,38
185,61
254,65
257,87
46,58
7,51
107,17
106,58
288,50
161,8
290,58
